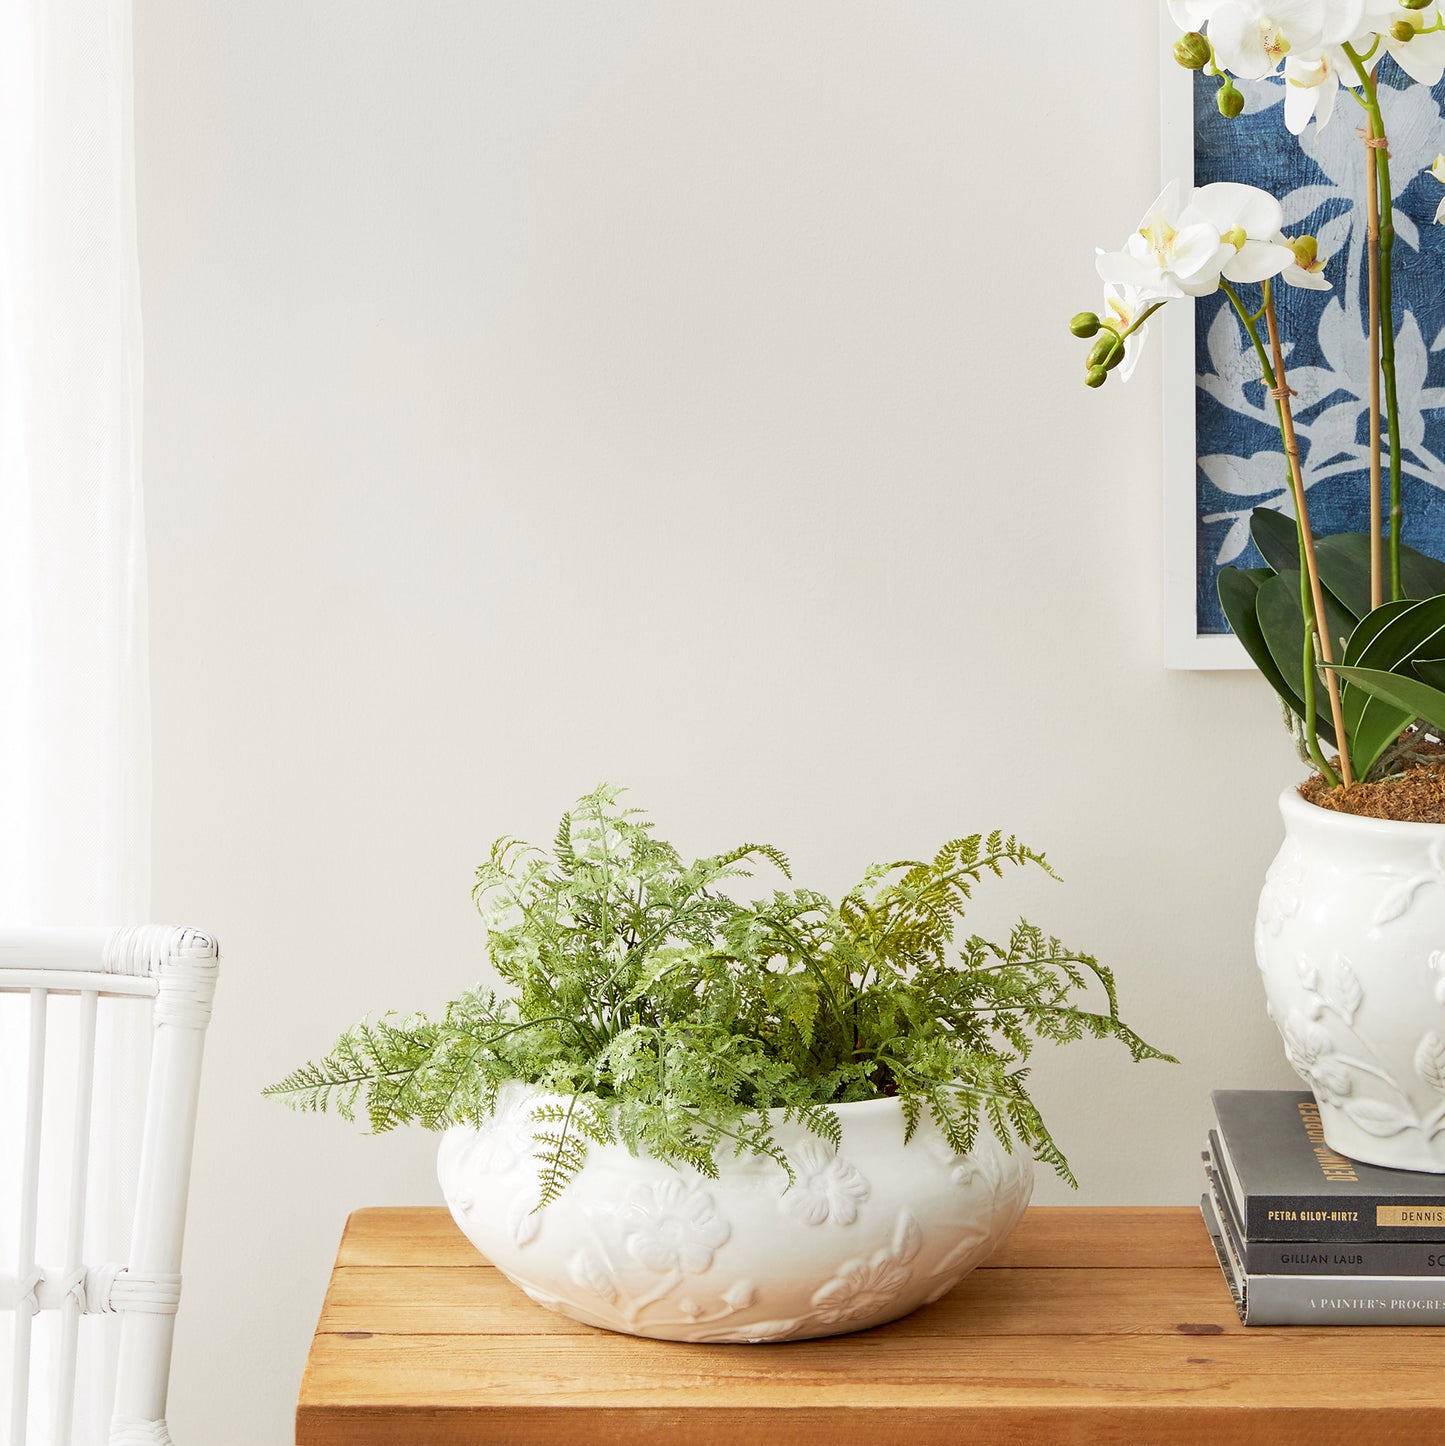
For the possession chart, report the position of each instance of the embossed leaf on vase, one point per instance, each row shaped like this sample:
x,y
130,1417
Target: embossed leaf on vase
x,y
1347,994
1371,918
1430,1061
1376,1118
907,1238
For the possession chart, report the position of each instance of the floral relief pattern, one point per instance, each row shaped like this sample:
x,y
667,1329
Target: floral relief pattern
x,y
505,1140
669,1253
1401,895
825,1189
1280,900
1321,1026
671,1228
862,1288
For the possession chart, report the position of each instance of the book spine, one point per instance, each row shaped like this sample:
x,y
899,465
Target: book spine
x,y
1370,1257
1352,1220
1328,1300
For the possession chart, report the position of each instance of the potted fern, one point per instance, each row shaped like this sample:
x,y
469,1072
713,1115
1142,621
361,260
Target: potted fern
x,y
699,1119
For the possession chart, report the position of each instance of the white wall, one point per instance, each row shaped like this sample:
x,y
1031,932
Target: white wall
x,y
677,394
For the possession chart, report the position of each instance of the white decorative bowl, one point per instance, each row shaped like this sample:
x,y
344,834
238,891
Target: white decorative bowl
x,y
864,1235
1350,939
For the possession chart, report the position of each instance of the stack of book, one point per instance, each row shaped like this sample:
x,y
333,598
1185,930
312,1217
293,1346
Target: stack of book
x,y
1307,1237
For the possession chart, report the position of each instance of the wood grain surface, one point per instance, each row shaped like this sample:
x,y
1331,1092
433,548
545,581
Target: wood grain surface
x,y
1090,1325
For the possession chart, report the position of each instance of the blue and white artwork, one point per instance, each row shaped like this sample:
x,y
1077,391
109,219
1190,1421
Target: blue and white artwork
x,y
1320,179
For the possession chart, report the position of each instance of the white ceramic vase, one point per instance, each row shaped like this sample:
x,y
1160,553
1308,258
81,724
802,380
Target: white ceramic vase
x,y
1350,939
865,1234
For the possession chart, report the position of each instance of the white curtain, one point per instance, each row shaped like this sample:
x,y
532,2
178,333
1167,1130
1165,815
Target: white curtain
x,y
74,690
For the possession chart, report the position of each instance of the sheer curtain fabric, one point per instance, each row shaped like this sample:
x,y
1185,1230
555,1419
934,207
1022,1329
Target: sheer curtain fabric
x,y
74,713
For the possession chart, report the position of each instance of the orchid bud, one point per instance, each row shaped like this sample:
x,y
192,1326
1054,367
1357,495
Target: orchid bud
x,y
1085,324
1102,352
1438,169
1230,100
1415,4
1193,51
1095,377
1402,30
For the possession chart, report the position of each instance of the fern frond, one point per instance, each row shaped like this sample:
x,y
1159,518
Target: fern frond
x,y
652,1010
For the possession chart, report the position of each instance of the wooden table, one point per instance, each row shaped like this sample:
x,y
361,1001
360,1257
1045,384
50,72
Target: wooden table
x,y
1090,1325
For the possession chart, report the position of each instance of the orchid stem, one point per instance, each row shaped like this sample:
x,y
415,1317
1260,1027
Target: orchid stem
x,y
1372,241
1311,600
1386,201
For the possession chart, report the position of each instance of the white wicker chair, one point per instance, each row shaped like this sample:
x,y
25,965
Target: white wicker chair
x,y
177,969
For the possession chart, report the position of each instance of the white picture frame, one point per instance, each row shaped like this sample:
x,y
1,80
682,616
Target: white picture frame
x,y
1185,647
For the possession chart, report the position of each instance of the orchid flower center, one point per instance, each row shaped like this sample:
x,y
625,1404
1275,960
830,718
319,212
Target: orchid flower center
x,y
1160,235
1306,254
1272,38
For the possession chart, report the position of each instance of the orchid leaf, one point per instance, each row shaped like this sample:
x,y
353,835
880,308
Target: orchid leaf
x,y
1274,535
1410,695
1282,623
1344,561
1239,597
1397,634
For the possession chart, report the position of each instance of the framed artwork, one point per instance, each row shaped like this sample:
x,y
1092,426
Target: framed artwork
x,y
1222,452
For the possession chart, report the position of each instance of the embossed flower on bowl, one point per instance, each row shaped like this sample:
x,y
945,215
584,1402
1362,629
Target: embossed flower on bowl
x,y
826,1188
672,1226
862,1234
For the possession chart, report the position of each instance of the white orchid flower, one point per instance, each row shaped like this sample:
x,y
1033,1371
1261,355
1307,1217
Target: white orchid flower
x,y
1307,267
1422,57
1192,14
1122,307
1249,222
1312,84
1169,255
1252,38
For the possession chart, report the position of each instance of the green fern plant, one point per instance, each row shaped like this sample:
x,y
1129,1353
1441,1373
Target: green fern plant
x,y
653,1009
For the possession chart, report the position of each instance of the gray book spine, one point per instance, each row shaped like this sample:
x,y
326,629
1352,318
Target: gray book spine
x,y
1275,1300
1330,1300
1284,1257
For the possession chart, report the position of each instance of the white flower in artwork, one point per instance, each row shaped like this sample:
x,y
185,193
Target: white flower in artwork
x,y
825,1187
1170,254
672,1227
